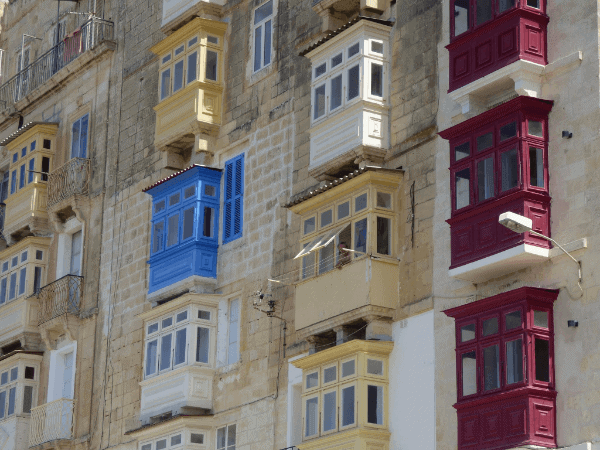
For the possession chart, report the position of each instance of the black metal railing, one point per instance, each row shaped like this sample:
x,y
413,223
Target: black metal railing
x,y
72,178
62,296
89,35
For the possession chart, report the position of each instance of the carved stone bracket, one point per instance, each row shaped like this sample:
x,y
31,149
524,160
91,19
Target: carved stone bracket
x,y
64,325
58,213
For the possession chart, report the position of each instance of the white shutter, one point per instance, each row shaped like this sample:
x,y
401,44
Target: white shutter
x,y
67,380
76,253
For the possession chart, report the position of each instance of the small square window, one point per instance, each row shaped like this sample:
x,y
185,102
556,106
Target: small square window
x,y
23,256
348,368
336,60
320,70
326,217
153,328
319,102
374,367
182,316
29,373
179,50
161,445
47,144
189,191
353,50
540,319
209,190
175,440
39,255
174,199
535,128
343,210
32,146
166,323
312,380
14,373
490,326
192,41
377,47
513,320
467,333
508,131
485,141
166,58
204,315
197,438
360,202
309,225
159,206
147,447
23,152
4,266
462,151
384,200
212,39
15,157
330,374
4,378
15,261
533,3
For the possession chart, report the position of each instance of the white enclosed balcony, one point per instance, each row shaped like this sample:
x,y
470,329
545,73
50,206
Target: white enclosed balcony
x,y
350,97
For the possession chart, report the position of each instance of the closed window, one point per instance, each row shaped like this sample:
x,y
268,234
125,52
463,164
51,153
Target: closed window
x,y
226,437
233,335
233,208
79,137
263,35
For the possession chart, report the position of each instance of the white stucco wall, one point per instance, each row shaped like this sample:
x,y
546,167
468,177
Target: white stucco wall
x,y
412,399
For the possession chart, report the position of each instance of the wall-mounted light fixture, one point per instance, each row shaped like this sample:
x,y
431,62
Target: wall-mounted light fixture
x,y
567,134
572,323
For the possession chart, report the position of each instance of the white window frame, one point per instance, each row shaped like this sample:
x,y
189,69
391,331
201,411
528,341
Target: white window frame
x,y
56,371
261,26
228,445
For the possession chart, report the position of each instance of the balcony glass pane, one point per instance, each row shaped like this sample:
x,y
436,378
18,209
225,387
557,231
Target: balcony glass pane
x,y
175,440
510,169
166,323
540,319
360,202
165,84
461,16
336,92
312,380
13,286
469,373
344,240
330,374
46,168
384,241
353,50
326,256
490,326
491,368
211,65
485,141
353,82
360,236
484,11
263,12
514,361
377,80
4,378
337,60
31,172
485,178
2,404
188,223
462,181
311,427
12,397
534,3
319,102
508,131
192,67
377,47
151,348
343,210
534,128
462,151
326,217
320,70
231,437
268,32
513,320
178,78
27,398
208,225
180,346
161,445
309,225
384,200
202,342
536,167
375,404
204,315
329,411
505,5
3,291
467,333
257,48
347,412
542,360
22,278
165,352
374,367
196,438
173,230
159,206
22,176
308,264
221,438
158,236
348,368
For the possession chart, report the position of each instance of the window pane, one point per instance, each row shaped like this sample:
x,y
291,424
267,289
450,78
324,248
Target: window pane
x,y
3,291
159,230
360,236
192,67
12,394
377,80
485,141
377,47
14,373
263,12
308,264
231,437
513,320
312,380
384,241
204,315
320,70
506,5
196,438
233,348
344,240
535,128
510,169
208,225
153,328
462,151
534,3
162,444
467,333
202,339
165,84
181,316
336,92
508,131
326,217
2,404
343,210
319,101
174,199
175,440
45,168
312,417
491,368
540,319
485,178
337,60
151,357
167,322
178,79
13,286
4,378
461,16
173,230
484,11
309,225
268,31
329,374
159,206
469,373
536,167
384,200
514,361
221,437
27,398
490,326
22,176
180,346
347,405
165,352
353,82
257,47
31,170
542,360
326,256
374,367
462,182
188,223
13,181
209,190
29,373
211,65
348,368
360,202
375,404
329,411
353,50
22,283
37,280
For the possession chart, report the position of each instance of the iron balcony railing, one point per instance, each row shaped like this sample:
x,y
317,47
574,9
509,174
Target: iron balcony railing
x,y
51,422
62,296
91,34
72,178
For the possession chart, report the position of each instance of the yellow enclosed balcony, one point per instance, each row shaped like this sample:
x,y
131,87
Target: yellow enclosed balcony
x,y
188,114
22,273
348,260
31,151
345,397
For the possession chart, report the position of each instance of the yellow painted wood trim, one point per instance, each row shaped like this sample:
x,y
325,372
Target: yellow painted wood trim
x,y
187,31
50,129
23,244
196,85
381,348
331,440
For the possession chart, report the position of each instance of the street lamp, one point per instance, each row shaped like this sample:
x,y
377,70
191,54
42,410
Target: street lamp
x,y
521,224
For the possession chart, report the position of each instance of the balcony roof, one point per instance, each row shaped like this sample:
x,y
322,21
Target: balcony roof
x,y
20,352
343,28
23,130
330,185
176,174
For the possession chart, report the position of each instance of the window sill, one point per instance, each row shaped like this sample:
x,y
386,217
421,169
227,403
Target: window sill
x,y
203,369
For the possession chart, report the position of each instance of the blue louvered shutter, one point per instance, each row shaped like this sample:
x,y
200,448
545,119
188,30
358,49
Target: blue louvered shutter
x,y
233,217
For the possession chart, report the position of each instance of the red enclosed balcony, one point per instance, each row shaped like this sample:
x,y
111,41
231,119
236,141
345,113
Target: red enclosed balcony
x,y
499,163
486,35
505,370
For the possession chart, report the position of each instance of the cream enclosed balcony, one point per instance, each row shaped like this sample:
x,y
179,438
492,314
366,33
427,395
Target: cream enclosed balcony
x,y
350,97
179,356
22,273
348,263
51,422
31,151
175,13
191,81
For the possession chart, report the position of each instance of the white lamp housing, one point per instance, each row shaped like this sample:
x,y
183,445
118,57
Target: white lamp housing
x,y
515,222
